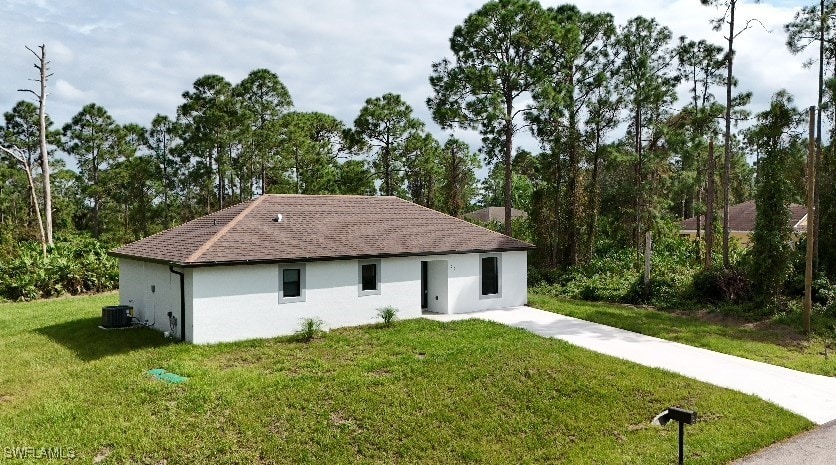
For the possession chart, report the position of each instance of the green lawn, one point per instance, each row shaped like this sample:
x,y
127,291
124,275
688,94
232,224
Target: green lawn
x,y
775,344
417,392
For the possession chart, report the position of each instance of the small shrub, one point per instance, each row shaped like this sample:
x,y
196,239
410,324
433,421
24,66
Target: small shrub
x,y
388,314
310,329
780,308
706,286
663,291
722,285
543,276
553,290
824,294
606,278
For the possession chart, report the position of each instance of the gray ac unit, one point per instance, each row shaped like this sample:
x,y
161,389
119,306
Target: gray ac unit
x,y
116,316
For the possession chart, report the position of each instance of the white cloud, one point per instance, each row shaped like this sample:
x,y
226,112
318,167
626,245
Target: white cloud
x,y
136,58
63,90
88,28
59,53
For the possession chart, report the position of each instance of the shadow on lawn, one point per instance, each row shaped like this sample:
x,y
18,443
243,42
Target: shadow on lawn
x,y
89,342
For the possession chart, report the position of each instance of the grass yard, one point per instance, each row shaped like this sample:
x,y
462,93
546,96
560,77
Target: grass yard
x,y
771,343
417,392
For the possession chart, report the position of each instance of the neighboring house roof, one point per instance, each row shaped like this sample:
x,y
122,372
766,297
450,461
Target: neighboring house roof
x,y
742,217
490,214
315,227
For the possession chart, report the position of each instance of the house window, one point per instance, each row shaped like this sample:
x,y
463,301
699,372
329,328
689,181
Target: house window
x,y
490,270
291,283
368,277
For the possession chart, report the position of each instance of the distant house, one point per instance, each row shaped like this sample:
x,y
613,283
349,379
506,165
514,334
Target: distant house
x,y
491,214
742,221
257,268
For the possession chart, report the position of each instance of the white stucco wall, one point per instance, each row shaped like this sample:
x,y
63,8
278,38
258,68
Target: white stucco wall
x,y
463,282
241,302
188,290
151,307
228,303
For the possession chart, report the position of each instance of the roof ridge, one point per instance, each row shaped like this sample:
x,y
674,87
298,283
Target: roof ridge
x,y
330,195
159,233
463,220
203,248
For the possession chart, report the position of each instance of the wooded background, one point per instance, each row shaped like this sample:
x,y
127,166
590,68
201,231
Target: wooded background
x,y
620,154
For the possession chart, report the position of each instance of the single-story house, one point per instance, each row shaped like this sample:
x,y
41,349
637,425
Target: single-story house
x,y
742,222
491,214
256,269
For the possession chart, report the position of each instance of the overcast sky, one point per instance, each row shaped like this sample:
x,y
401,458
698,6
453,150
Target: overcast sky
x,y
136,57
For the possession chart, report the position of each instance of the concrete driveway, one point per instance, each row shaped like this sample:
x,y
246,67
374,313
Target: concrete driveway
x,y
812,447
811,396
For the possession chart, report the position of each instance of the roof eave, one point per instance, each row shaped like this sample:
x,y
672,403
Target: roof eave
x,y
268,261
116,254
798,223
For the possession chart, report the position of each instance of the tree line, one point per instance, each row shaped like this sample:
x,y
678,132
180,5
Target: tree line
x,y
228,143
619,153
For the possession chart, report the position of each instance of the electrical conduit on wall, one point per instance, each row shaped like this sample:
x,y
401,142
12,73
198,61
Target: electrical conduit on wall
x,y
182,321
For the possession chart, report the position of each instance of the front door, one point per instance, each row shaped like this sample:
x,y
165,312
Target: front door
x,y
424,290
434,286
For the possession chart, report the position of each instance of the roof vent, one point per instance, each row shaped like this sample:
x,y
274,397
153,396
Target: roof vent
x,y
279,217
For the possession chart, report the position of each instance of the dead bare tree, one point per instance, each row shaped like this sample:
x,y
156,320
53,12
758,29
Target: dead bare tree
x,y
42,65
734,30
17,154
709,208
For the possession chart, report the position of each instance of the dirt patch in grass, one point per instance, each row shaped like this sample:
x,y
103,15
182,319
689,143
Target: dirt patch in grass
x,y
767,329
241,359
340,419
381,373
776,331
103,454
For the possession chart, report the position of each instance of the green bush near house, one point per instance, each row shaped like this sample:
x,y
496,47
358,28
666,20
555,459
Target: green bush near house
x,y
617,275
388,314
310,328
824,295
718,285
75,265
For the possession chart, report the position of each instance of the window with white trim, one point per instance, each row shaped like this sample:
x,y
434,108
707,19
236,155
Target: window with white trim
x,y
490,276
292,283
368,276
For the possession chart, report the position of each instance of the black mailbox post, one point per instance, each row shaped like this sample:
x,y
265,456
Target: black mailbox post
x,y
682,417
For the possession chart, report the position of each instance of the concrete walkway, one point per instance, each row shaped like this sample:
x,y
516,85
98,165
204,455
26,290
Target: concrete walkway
x,y
811,396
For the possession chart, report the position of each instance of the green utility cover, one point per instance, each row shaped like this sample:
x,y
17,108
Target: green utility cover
x,y
163,375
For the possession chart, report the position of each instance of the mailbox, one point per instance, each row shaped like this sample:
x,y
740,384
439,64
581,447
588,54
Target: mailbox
x,y
682,416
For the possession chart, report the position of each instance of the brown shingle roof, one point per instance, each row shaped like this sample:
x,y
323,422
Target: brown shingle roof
x,y
489,214
315,227
742,217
